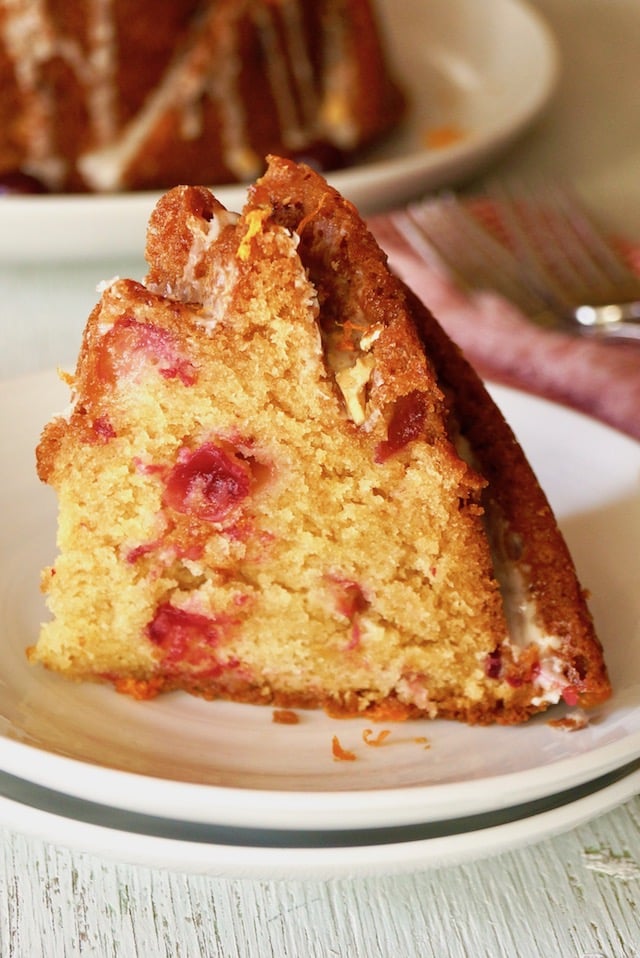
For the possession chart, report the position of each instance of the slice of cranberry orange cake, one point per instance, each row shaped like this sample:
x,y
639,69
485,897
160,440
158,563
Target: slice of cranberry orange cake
x,y
279,482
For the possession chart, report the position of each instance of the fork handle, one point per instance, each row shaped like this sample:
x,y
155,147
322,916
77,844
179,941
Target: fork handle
x,y
613,320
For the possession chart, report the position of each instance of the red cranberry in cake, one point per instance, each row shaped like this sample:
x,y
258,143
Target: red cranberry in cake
x,y
208,483
188,641
131,348
348,595
406,424
493,664
102,429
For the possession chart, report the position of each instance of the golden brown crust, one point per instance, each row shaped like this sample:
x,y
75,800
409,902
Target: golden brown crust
x,y
539,545
350,274
170,231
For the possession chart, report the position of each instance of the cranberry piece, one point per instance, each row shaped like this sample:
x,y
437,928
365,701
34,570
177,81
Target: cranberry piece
x,y
139,552
130,346
406,424
188,637
173,629
17,183
493,664
351,602
103,429
350,599
201,203
208,484
570,695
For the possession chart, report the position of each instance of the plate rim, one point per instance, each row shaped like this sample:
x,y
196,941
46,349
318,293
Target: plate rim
x,y
237,805
278,864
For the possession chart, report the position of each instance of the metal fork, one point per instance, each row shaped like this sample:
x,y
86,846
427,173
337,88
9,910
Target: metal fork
x,y
556,265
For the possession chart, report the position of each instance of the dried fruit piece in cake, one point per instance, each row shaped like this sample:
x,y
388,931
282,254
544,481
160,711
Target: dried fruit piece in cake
x,y
280,482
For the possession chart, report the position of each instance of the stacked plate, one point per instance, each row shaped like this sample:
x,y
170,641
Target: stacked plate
x,y
222,789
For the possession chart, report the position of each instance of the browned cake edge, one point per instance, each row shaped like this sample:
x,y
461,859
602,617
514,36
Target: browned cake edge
x,y
543,552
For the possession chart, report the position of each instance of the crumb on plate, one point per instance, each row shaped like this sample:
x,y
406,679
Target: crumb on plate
x,y
341,754
439,137
572,722
285,717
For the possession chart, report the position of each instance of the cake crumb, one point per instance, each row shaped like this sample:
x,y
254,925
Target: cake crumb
x,y
572,722
377,740
341,754
285,717
422,740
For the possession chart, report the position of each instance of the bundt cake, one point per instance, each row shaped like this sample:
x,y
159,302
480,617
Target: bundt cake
x,y
280,482
107,95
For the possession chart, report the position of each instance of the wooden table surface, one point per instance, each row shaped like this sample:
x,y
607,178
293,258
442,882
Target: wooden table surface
x,y
575,895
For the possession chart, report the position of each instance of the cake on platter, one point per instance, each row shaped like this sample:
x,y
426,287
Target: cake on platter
x,y
280,482
108,95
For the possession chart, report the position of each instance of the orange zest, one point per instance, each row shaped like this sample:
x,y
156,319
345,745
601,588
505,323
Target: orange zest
x,y
377,740
341,754
254,221
439,137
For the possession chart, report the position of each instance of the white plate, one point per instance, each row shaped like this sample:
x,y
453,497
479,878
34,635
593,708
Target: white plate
x,y
229,764
156,843
486,68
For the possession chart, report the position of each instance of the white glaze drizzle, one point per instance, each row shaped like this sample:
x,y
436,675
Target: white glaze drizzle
x,y
31,41
301,64
294,135
336,116
187,78
102,59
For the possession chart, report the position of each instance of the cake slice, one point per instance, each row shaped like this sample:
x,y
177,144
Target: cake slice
x,y
280,482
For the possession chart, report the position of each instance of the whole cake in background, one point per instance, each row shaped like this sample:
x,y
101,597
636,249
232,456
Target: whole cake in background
x,y
109,95
280,482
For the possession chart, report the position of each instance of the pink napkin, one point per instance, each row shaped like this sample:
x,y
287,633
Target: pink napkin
x,y
601,379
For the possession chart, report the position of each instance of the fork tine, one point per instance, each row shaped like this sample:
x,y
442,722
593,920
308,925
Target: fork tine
x,y
565,251
444,227
593,244
555,265
529,235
